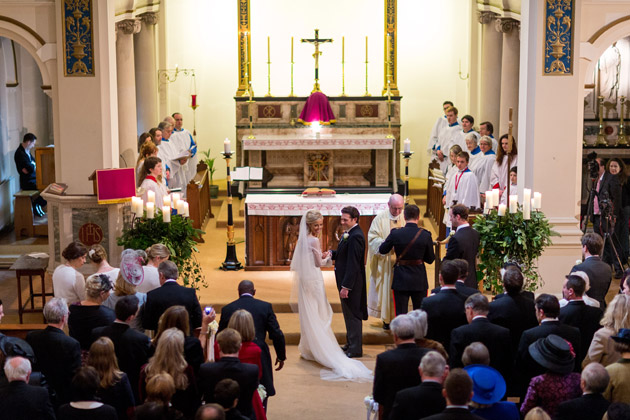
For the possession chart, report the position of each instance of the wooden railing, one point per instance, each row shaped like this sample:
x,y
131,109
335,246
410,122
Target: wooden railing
x,y
20,330
198,196
435,208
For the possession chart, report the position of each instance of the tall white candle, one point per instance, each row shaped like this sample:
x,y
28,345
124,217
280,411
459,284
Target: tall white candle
x,y
502,208
513,203
139,206
176,197
180,207
537,205
150,210
527,196
226,146
134,206
151,196
407,143
166,214
526,211
186,210
495,197
167,200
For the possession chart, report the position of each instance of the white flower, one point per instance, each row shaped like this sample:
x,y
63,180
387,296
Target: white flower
x,y
345,236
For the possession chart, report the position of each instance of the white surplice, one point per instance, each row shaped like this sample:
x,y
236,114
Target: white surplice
x,y
465,189
500,172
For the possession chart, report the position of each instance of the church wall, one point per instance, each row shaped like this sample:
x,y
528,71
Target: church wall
x,y
432,39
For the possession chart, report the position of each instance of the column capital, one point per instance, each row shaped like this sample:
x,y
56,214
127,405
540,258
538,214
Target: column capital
x,y
485,16
149,18
506,25
128,26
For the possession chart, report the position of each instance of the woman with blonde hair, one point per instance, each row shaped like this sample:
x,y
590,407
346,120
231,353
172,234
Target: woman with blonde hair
x,y
160,391
617,316
169,358
148,149
98,257
177,317
156,254
114,388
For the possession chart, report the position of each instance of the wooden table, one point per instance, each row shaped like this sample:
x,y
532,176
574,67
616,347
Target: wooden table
x,y
31,267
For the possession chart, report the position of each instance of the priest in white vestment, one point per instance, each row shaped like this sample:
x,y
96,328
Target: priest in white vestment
x,y
380,267
487,158
464,184
185,141
500,170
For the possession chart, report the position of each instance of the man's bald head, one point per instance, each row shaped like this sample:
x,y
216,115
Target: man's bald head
x,y
396,204
170,120
246,286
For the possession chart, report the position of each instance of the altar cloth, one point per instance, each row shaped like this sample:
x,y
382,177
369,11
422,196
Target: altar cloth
x,y
324,142
296,205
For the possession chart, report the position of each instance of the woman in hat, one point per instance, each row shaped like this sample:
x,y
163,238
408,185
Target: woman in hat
x,y
619,386
559,383
488,389
129,277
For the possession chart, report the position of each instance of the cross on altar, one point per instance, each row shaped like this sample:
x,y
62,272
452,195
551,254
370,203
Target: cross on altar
x,y
316,41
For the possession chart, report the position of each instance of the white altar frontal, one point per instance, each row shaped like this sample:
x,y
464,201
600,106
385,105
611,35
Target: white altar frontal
x,y
305,159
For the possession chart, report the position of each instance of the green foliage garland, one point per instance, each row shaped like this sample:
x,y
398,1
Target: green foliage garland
x,y
511,238
178,236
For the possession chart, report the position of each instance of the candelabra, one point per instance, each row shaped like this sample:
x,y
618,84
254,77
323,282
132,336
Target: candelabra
x,y
621,136
170,75
231,262
406,156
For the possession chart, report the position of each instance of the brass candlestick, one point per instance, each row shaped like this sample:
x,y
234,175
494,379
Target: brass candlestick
x,y
406,156
231,261
601,137
291,94
389,94
268,69
621,136
366,68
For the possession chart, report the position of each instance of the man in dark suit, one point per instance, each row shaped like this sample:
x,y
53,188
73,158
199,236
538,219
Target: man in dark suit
x,y
170,294
414,249
19,400
25,165
460,284
465,243
578,314
591,405
599,272
494,337
350,276
132,347
445,310
57,355
458,391
425,399
265,323
229,366
397,368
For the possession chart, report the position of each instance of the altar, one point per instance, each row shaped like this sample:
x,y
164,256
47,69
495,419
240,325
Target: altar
x,y
272,223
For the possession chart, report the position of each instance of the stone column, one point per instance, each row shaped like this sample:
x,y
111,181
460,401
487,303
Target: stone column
x,y
125,70
491,52
146,73
509,72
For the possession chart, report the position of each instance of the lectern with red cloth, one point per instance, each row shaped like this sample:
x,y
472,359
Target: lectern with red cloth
x,y
317,108
114,185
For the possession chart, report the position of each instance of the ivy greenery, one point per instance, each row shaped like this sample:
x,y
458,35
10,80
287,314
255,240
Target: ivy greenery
x,y
178,236
510,238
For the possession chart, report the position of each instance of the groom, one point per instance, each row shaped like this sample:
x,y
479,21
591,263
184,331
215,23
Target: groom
x,y
350,275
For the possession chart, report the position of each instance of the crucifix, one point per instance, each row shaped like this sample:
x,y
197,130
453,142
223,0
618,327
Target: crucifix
x,y
316,41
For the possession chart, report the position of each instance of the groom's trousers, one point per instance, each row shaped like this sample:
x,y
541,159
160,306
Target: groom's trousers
x,y
354,329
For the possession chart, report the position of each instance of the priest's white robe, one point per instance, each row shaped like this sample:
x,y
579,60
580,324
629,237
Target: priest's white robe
x,y
438,127
476,165
499,176
380,267
465,189
449,137
186,141
487,160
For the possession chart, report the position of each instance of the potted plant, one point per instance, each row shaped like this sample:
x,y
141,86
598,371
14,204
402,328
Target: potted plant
x,y
510,238
209,161
178,236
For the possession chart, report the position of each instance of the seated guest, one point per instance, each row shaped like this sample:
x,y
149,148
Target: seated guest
x,y
210,412
619,387
476,354
537,413
170,294
16,347
420,318
90,313
616,317
230,367
445,310
460,285
19,400
129,275
177,317
591,405
114,388
559,383
169,358
85,404
509,266
458,390
488,390
68,283
397,368
578,314
160,390
425,399
98,258
226,394
156,254
587,299
617,411
479,329
57,355
132,347
599,272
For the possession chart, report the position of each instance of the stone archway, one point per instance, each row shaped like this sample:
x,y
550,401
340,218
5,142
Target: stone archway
x,y
593,49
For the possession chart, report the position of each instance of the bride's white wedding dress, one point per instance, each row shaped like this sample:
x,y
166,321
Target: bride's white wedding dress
x,y
317,341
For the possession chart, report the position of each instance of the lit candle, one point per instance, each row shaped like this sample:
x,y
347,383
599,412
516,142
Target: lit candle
x,y
140,204
176,197
180,207
151,196
150,210
194,100
502,208
495,197
167,200
186,210
513,203
226,147
537,205
526,211
407,146
134,207
527,196
166,214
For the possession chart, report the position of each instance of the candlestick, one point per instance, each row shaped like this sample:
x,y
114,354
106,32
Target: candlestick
x,y
291,94
231,262
226,147
150,210
502,208
407,146
343,66
268,68
166,214
291,49
513,203
537,203
167,200
366,68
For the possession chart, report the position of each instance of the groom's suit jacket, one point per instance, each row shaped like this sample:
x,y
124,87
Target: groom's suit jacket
x,y
350,270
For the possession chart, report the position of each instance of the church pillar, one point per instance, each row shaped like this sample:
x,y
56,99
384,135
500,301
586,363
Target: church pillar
x,y
125,70
491,52
146,73
509,73
550,135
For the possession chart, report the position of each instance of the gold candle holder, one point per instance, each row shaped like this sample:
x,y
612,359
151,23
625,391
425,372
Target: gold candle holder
x,y
621,136
291,95
601,137
366,68
343,65
268,68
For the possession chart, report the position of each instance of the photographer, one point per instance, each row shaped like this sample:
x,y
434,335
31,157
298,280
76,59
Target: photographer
x,y
606,208
616,167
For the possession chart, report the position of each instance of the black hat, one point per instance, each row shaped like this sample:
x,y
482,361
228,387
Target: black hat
x,y
553,353
623,336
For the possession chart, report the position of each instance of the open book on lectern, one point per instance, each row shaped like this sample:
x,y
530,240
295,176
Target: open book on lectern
x,y
247,173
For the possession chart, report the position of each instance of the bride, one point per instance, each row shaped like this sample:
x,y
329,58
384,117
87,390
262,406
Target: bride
x,y
317,341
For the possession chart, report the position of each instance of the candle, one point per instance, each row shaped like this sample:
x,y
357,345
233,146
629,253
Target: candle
x,y
150,210
167,200
140,206
537,205
166,214
495,197
343,47
533,201
226,147
526,211
151,196
180,207
527,196
366,49
268,51
175,198
134,207
486,210
186,209
407,146
502,208
513,203
291,49
194,100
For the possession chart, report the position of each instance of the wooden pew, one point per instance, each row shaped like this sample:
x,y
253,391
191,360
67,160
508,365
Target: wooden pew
x,y
24,219
435,208
198,196
20,330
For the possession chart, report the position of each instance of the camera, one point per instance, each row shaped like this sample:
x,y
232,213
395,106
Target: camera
x,y
207,310
592,165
